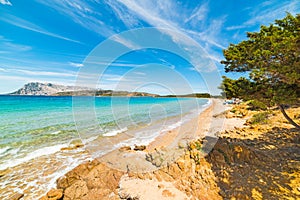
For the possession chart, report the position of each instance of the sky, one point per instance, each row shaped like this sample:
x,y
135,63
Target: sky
x,y
58,41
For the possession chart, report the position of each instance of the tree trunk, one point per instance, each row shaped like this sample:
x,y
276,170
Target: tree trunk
x,y
281,107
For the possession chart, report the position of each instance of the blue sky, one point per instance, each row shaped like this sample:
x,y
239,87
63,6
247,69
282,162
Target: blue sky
x,y
48,41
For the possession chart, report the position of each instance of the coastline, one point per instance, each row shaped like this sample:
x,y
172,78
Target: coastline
x,y
250,150
172,143
133,162
127,168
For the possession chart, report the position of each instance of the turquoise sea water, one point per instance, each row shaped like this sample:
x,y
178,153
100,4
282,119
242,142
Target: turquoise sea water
x,y
29,123
34,129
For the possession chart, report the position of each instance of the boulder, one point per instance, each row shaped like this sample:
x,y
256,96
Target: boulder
x,y
55,194
139,147
17,196
125,148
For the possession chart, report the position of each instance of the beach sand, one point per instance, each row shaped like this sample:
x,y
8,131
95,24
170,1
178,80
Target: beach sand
x,y
240,164
172,144
135,166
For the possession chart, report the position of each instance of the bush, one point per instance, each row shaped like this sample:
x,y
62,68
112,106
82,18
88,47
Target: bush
x,y
257,105
259,118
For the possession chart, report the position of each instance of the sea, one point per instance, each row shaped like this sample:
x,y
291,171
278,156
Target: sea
x,y
38,134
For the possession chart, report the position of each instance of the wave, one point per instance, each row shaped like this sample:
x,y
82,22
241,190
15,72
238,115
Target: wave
x,y
55,133
4,150
115,132
35,154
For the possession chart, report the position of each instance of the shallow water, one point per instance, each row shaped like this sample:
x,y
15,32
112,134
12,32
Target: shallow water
x,y
34,129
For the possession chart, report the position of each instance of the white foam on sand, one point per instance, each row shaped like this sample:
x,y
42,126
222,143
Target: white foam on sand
x,y
115,132
4,150
55,132
35,154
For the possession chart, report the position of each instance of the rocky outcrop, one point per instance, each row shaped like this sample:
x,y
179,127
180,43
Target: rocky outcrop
x,y
17,196
190,176
246,163
92,180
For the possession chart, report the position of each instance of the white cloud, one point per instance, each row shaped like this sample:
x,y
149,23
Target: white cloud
x,y
13,20
127,43
37,73
5,2
164,15
81,13
266,13
229,28
114,64
76,64
2,69
45,73
16,47
199,14
140,73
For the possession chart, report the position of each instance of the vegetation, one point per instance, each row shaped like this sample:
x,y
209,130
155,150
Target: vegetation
x,y
197,95
259,118
271,58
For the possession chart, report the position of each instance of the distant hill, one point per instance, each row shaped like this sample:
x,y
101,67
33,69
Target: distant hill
x,y
49,89
36,88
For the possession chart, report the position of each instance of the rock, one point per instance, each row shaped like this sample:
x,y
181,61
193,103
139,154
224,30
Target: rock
x,y
76,190
17,196
125,148
182,144
167,193
55,194
74,144
181,164
139,148
4,172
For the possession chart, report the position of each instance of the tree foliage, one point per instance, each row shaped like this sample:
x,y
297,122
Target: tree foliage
x,y
271,57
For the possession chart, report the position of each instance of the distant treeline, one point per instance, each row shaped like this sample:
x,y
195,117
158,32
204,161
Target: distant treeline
x,y
126,93
197,95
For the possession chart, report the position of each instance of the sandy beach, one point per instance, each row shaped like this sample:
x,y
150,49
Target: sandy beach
x,y
174,142
240,153
166,150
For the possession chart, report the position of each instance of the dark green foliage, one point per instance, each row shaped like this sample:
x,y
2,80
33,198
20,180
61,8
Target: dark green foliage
x,y
259,118
272,59
257,105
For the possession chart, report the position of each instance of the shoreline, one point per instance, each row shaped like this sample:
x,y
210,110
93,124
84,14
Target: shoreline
x,y
170,146
167,168
174,141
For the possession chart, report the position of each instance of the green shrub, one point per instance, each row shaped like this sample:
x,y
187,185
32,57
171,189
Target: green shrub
x,y
259,118
257,105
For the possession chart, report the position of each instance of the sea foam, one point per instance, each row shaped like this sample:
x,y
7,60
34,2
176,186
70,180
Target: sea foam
x,y
35,154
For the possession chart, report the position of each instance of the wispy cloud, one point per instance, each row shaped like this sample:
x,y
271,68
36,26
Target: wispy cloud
x,y
75,64
5,2
45,73
16,47
16,21
8,46
81,13
164,15
140,73
266,13
199,14
125,42
115,64
34,72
